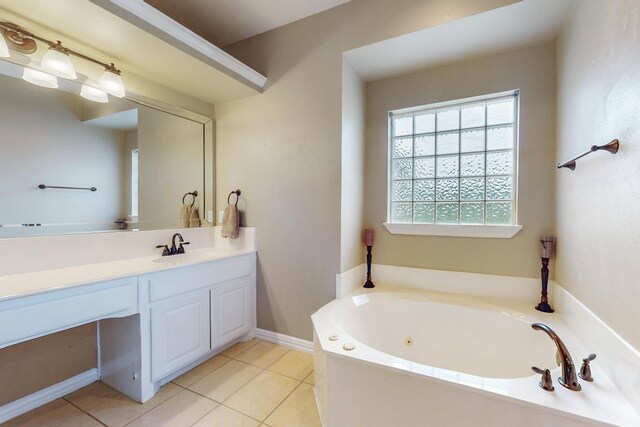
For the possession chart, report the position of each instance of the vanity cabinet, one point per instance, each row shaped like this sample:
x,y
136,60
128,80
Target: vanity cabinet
x,y
195,310
231,313
180,332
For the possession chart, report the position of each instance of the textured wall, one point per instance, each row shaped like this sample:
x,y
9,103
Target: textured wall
x,y
597,205
283,148
531,70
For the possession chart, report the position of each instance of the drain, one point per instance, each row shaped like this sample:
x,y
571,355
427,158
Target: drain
x,y
408,341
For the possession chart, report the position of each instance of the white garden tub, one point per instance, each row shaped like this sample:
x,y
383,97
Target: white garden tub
x,y
427,359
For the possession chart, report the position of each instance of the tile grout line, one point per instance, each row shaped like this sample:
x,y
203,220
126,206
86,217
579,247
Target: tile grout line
x,y
280,404
83,411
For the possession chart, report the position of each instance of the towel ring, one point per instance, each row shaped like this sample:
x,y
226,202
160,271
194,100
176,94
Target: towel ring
x,y
194,195
237,193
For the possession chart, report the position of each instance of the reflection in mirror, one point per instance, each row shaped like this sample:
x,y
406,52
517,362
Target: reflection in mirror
x,y
140,160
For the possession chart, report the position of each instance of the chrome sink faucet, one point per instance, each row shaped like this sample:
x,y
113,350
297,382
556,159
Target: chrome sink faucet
x,y
569,378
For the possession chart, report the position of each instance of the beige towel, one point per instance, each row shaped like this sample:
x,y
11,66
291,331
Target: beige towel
x,y
194,220
183,219
231,222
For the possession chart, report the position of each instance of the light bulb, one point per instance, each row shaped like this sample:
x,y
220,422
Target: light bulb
x,y
39,78
93,94
4,49
112,83
58,63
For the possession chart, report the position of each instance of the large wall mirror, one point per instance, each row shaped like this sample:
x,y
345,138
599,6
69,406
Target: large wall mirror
x,y
130,164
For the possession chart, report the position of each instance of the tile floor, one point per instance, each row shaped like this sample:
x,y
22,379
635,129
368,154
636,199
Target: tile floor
x,y
254,383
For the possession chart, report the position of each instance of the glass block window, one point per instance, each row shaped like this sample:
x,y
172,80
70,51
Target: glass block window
x,y
454,162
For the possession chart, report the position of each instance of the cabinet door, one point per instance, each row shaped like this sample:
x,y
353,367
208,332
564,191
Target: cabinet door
x,y
230,311
180,332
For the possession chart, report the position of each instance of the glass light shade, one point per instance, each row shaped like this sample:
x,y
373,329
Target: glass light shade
x,y
4,49
39,78
93,94
59,64
112,83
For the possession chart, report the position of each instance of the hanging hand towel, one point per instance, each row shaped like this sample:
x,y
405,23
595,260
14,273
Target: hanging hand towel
x,y
231,222
194,220
183,219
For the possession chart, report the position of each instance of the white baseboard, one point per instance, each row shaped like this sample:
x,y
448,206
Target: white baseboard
x,y
49,394
285,340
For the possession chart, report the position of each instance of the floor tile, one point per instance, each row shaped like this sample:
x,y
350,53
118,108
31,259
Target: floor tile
x,y
120,410
58,413
237,349
262,394
294,364
226,380
183,409
91,395
263,354
299,409
201,371
309,379
225,417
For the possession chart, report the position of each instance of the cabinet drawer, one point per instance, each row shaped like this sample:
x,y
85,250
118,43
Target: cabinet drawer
x,y
179,281
47,313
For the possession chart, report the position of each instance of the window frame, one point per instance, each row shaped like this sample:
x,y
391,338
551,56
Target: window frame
x,y
456,230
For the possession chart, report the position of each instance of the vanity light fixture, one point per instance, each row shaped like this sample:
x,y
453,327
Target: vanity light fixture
x,y
57,61
4,49
39,78
90,92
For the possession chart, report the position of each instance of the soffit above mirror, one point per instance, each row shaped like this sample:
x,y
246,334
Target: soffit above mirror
x,y
224,22
145,59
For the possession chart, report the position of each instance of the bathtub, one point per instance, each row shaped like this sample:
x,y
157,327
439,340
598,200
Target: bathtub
x,y
402,357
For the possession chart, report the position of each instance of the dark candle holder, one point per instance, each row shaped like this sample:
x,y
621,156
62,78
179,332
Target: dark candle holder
x,y
369,283
544,300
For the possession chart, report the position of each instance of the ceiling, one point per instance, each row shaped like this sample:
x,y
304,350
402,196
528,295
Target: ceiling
x,y
526,23
223,22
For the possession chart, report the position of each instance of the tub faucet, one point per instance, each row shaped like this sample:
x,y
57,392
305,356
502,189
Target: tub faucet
x,y
569,377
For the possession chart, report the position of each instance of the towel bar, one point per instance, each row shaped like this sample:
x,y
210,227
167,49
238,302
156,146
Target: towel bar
x,y
42,186
611,147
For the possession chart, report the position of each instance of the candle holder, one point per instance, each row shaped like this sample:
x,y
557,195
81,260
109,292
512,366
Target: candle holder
x,y
545,255
368,241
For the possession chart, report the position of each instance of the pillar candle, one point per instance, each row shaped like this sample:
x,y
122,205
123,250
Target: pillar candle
x,y
368,237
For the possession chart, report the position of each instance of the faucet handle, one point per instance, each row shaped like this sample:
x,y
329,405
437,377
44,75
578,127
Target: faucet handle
x,y
165,251
585,370
180,248
545,382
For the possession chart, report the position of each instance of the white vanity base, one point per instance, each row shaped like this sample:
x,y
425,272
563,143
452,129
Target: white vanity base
x,y
158,317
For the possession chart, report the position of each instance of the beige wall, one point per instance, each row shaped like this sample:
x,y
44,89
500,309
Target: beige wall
x,y
170,153
44,141
352,169
597,205
33,365
531,70
283,147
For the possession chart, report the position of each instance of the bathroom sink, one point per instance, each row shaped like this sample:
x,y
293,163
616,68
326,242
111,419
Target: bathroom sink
x,y
187,257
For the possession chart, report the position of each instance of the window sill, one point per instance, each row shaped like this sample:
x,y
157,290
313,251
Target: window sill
x,y
455,230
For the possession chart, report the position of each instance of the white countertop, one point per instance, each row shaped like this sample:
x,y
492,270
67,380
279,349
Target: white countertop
x,y
20,285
